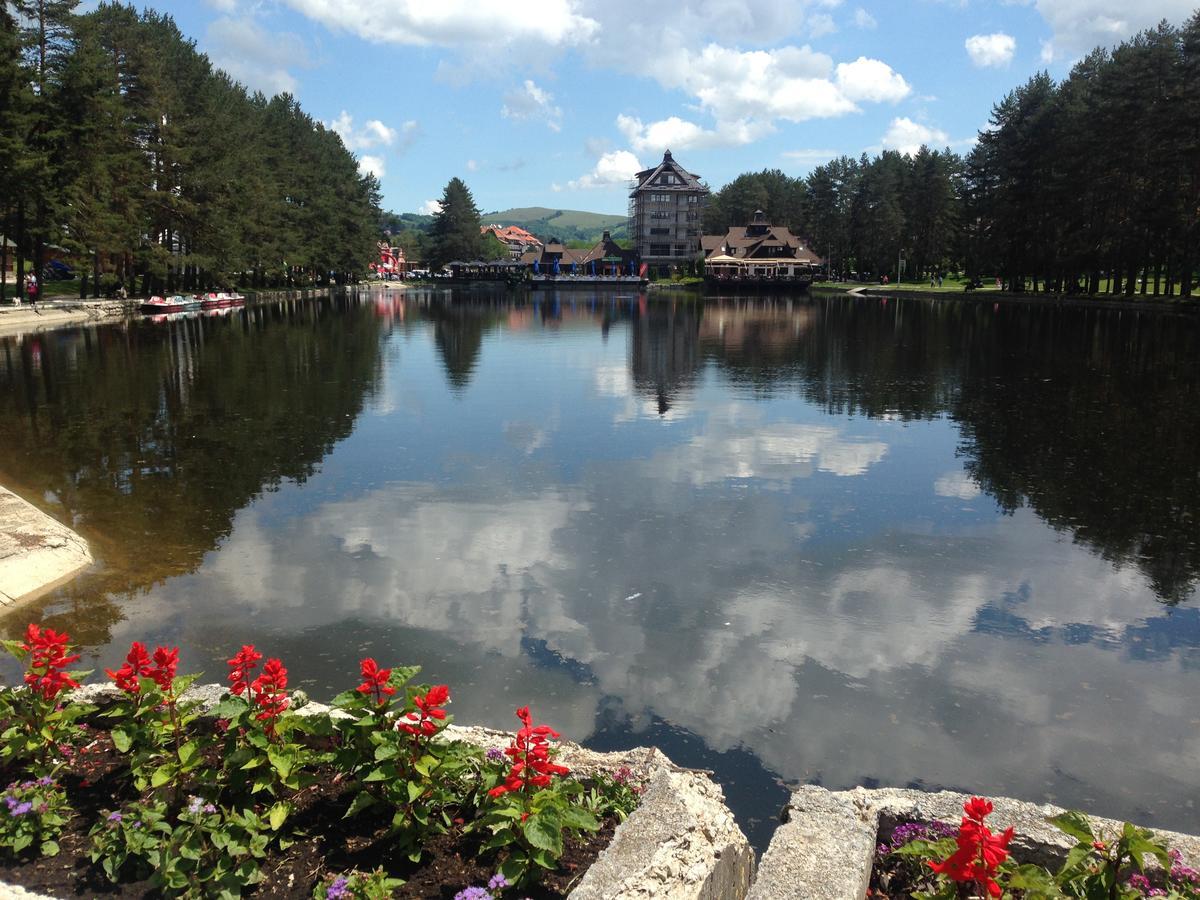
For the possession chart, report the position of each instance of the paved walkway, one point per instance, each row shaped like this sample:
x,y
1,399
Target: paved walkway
x,y
37,553
55,313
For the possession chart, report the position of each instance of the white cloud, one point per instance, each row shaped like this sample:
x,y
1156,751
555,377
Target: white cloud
x,y
453,22
532,102
1047,54
864,19
430,208
872,80
655,137
372,164
1079,25
472,165
259,59
615,168
957,484
373,133
991,50
908,136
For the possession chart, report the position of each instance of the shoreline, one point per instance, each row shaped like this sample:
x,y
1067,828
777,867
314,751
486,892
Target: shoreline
x,y
1180,307
62,312
37,552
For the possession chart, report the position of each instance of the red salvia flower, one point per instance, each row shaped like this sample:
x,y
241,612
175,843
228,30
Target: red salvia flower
x,y
979,852
530,754
244,662
165,663
48,658
428,714
137,665
270,693
375,680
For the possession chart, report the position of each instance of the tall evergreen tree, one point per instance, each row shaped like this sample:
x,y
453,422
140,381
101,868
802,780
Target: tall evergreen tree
x,y
455,233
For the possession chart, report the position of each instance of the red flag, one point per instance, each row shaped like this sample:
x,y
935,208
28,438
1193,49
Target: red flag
x,y
643,270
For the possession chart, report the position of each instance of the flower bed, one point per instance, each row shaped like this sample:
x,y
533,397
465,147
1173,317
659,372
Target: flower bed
x,y
149,787
902,843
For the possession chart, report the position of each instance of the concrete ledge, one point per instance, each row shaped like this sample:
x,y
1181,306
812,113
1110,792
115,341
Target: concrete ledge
x,y
37,554
681,843
825,849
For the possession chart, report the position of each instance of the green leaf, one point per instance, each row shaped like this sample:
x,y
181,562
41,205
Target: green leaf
x,y
279,813
579,818
544,831
415,790
121,738
188,752
162,775
1075,824
361,801
229,708
282,760
49,848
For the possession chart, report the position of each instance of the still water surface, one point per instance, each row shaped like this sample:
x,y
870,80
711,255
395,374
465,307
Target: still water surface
x,y
832,541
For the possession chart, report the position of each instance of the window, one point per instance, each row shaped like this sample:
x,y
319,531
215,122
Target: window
x,y
662,215
693,198
660,249
660,198
660,230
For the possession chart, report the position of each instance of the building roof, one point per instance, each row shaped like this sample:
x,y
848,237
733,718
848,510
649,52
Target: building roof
x,y
751,242
512,233
684,181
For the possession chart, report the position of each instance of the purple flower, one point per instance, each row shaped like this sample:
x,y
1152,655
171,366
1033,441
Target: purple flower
x,y
115,817
918,831
45,780
473,893
209,808
623,775
495,755
19,809
498,882
339,889
194,805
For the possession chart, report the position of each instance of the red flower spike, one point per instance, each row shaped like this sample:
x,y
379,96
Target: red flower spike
x,y
137,665
530,752
165,663
244,662
980,853
423,722
48,658
270,694
375,680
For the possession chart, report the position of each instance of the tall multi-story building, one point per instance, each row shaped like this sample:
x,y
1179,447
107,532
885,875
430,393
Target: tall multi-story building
x,y
666,209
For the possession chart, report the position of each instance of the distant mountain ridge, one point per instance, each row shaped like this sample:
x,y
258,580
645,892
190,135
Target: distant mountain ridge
x,y
566,224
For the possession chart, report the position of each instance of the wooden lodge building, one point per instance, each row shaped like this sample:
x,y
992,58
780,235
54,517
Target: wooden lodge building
x,y
666,209
554,264
758,254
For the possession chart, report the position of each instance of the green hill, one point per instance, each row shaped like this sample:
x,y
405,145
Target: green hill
x,y
566,224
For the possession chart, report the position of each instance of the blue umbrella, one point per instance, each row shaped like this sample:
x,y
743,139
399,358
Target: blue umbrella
x,y
593,267
631,267
536,268
556,265
574,267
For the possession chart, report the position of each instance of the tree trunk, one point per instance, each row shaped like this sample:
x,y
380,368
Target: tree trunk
x,y
3,268
96,274
20,286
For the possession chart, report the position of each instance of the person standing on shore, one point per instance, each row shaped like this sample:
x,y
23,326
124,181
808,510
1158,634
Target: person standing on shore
x,y
31,289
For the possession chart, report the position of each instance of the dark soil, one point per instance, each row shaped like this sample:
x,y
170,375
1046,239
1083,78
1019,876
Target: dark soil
x,y
327,844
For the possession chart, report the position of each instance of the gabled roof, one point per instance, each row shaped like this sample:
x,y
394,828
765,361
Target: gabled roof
x,y
687,181
607,248
749,242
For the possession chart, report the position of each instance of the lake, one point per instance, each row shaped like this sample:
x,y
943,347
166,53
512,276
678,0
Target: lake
x,y
835,541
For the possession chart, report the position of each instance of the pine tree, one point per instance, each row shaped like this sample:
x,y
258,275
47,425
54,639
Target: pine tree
x,y
455,233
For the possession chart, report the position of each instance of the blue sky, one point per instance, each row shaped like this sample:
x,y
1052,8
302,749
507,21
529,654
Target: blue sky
x,y
556,102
